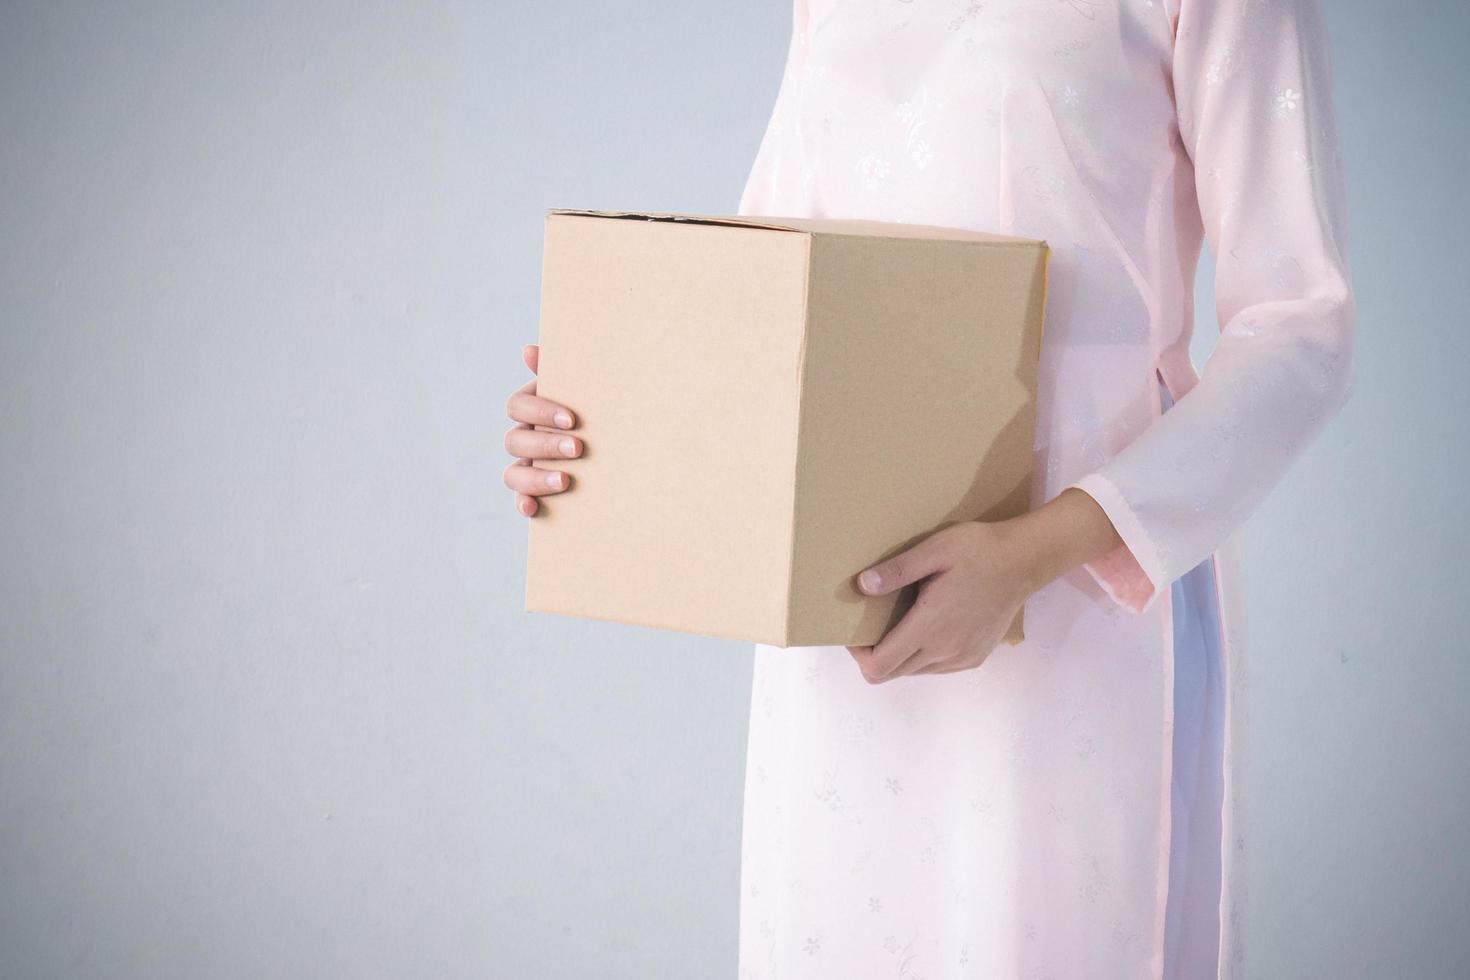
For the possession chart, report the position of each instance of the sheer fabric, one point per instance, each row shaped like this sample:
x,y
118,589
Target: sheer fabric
x,y
1020,819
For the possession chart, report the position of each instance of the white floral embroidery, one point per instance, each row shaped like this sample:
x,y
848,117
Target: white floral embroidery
x,y
1097,882
873,170
1087,8
1222,66
921,153
855,729
970,12
904,952
984,807
1287,100
915,118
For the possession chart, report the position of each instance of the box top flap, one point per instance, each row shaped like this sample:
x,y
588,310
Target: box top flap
x,y
814,226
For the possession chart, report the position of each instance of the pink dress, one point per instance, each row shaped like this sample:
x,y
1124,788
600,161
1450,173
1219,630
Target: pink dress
x,y
1047,815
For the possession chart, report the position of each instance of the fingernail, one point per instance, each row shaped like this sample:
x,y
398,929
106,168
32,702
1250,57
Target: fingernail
x,y
871,580
553,479
563,419
568,447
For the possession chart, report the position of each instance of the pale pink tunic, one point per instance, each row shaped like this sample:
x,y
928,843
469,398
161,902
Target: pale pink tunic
x,y
1018,820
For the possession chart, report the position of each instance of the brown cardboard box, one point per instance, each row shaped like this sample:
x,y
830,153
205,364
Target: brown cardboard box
x,y
771,405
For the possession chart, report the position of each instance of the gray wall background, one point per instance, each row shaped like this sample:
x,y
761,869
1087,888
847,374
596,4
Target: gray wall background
x,y
268,703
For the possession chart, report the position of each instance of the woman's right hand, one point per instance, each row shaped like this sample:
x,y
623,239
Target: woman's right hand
x,y
528,409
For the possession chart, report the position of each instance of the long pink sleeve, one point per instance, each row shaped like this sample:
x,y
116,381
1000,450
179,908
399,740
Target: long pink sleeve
x,y
1252,83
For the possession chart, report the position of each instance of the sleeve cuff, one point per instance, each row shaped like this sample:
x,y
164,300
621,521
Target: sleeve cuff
x,y
1132,574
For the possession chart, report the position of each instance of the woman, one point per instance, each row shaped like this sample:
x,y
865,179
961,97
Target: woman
x,y
1068,807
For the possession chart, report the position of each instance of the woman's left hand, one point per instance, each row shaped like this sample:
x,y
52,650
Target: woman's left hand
x,y
977,574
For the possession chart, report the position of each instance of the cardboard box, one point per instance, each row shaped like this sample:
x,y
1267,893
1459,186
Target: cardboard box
x,y
771,405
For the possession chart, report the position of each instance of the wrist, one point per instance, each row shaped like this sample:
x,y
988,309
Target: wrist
x,y
1061,534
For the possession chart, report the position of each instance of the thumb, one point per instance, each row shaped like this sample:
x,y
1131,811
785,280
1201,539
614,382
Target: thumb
x,y
902,569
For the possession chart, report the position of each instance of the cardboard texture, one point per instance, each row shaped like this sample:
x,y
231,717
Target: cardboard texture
x,y
771,405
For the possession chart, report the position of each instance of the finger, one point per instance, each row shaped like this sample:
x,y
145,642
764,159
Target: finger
x,y
531,354
933,660
527,505
879,662
529,388
899,644
524,406
534,481
531,443
863,657
950,666
903,640
904,568
922,658
877,670
942,667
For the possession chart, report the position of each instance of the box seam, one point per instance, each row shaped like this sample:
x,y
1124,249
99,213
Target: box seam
x,y
1040,341
737,221
806,327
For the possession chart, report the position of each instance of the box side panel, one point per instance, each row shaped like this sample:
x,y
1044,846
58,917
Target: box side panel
x,y
677,345
918,410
